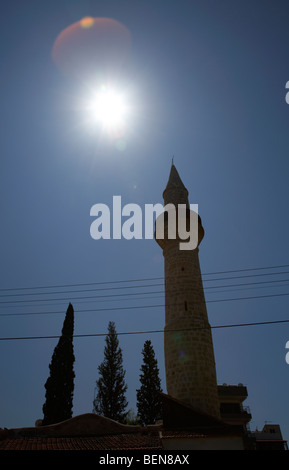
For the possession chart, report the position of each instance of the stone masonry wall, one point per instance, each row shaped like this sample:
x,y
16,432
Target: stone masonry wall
x,y
189,353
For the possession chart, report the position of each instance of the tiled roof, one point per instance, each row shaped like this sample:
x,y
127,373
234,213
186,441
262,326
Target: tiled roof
x,y
115,442
83,432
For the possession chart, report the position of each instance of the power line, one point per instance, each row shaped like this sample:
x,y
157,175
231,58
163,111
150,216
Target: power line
x,y
249,275
108,297
82,284
130,287
247,269
247,284
247,298
150,279
149,331
83,311
143,306
83,297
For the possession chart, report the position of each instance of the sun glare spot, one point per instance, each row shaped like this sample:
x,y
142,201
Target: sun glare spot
x,y
107,108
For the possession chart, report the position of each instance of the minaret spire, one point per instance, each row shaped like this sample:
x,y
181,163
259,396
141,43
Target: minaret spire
x,y
175,191
189,353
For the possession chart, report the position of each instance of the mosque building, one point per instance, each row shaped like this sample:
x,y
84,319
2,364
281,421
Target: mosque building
x,y
198,414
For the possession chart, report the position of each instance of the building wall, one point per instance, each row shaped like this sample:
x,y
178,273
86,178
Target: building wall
x,y
189,352
206,443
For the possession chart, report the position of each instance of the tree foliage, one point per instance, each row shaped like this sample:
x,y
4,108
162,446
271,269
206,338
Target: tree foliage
x,y
110,399
148,399
60,384
131,418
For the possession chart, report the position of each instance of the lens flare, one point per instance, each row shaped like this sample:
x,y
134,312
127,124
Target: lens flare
x,y
121,146
177,337
182,355
92,47
87,22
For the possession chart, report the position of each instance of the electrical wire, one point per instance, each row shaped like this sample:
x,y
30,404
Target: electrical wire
x,y
131,296
148,331
132,287
151,279
83,297
142,306
108,297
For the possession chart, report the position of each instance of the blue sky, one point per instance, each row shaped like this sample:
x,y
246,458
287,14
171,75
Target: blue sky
x,y
206,83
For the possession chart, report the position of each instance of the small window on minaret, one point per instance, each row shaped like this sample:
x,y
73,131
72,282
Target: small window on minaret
x,y
183,268
186,305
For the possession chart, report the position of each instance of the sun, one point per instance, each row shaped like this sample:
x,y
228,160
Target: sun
x,y
107,108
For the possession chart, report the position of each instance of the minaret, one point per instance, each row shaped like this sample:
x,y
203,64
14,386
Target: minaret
x,y
189,353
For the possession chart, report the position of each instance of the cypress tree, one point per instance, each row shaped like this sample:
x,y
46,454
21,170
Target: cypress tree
x,y
110,400
60,384
148,399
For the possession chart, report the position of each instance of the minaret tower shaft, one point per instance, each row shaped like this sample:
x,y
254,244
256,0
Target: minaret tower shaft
x,y
189,353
